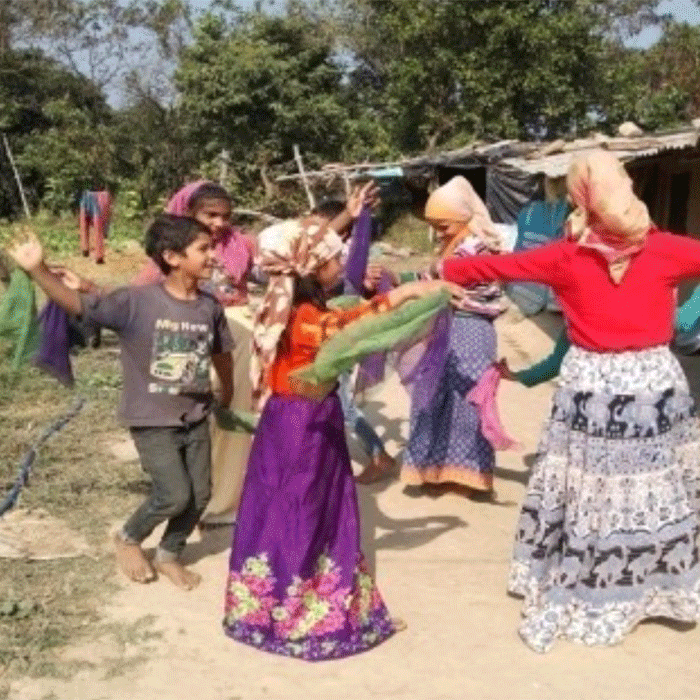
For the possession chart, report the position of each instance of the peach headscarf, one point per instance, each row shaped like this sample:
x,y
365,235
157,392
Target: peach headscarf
x,y
608,217
457,201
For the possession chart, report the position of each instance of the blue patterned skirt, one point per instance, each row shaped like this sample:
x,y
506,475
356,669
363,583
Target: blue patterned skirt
x,y
445,443
608,528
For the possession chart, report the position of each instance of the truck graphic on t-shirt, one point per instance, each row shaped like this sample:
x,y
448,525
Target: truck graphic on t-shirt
x,y
180,359
175,367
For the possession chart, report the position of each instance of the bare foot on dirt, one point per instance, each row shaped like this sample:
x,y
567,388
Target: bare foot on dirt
x,y
132,561
380,467
178,574
399,624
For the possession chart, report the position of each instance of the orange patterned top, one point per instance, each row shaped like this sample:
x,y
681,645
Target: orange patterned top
x,y
308,328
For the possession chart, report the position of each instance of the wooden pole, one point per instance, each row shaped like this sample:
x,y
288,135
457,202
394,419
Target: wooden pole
x,y
224,160
302,174
18,180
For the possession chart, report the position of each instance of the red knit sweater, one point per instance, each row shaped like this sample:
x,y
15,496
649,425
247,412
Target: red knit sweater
x,y
601,315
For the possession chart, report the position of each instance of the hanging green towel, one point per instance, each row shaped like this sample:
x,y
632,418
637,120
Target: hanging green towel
x,y
371,334
18,319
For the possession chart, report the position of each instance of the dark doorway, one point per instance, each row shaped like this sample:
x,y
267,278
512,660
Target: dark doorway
x,y
678,205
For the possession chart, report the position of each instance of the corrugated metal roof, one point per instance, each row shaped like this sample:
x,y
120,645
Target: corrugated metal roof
x,y
557,164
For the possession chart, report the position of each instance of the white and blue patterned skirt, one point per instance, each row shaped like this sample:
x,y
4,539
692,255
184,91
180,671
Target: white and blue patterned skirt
x,y
608,530
445,443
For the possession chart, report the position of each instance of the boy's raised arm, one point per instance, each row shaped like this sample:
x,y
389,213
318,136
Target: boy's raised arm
x,y
29,255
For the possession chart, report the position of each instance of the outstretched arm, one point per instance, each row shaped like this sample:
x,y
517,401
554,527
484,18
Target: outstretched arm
x,y
546,369
542,265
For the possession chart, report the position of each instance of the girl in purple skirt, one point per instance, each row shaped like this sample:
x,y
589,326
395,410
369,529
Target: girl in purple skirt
x,y
298,585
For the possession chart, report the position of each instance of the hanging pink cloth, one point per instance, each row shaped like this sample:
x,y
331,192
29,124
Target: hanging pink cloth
x,y
483,396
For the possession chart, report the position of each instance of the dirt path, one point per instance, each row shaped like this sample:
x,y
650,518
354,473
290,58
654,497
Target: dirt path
x,y
441,565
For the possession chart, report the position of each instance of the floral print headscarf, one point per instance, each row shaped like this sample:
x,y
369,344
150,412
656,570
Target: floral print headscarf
x,y
296,247
608,217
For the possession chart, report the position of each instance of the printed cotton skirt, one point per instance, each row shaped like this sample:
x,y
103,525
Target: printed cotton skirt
x,y
445,443
298,585
607,534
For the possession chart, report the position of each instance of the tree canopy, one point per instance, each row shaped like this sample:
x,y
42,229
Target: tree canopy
x,y
343,79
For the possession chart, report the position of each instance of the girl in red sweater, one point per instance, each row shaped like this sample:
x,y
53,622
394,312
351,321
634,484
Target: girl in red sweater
x,y
607,532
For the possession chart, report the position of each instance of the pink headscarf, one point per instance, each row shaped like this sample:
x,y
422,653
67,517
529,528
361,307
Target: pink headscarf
x,y
232,247
609,217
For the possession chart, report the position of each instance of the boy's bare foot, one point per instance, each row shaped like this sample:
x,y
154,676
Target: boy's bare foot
x,y
380,467
132,561
178,574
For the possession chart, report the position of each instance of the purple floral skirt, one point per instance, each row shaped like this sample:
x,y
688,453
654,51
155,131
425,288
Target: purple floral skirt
x,y
297,584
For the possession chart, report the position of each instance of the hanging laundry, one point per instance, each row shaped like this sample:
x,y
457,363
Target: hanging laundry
x,y
95,217
18,321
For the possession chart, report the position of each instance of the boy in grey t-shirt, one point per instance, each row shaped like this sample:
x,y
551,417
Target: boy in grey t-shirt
x,y
169,334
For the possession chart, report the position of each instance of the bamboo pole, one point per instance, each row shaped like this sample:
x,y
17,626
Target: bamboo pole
x,y
302,174
18,180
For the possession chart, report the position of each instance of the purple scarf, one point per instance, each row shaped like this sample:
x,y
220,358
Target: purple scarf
x,y
53,355
371,369
421,366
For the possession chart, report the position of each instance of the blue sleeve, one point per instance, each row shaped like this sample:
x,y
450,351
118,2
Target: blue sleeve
x,y
549,367
688,315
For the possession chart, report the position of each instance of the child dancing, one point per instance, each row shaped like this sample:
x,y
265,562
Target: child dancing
x,y
169,333
298,585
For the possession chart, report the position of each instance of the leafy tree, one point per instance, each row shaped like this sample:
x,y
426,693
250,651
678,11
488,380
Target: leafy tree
x,y
657,87
153,153
36,95
260,85
73,154
440,71
674,64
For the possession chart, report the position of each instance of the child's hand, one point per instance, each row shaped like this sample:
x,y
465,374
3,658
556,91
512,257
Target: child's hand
x,y
367,195
504,370
372,277
414,290
26,250
69,278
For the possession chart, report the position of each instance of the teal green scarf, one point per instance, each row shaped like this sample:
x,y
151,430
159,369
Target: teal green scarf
x,y
18,319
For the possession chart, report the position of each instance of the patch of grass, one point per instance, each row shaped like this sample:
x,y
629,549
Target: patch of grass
x,y
60,236
409,232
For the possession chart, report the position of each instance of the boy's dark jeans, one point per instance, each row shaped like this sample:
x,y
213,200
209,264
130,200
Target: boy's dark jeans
x,y
178,460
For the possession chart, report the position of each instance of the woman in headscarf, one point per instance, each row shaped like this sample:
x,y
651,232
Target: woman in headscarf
x,y
608,530
298,585
446,442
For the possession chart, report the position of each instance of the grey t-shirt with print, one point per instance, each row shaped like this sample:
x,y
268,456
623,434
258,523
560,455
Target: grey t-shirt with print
x,y
166,348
